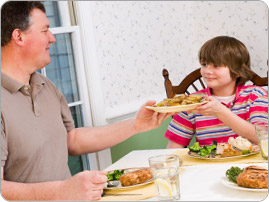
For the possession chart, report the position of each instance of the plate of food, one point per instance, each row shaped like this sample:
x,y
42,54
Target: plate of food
x,y
235,148
128,178
251,178
178,103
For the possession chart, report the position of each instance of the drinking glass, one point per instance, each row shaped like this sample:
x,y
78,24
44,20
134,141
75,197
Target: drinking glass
x,y
165,170
262,133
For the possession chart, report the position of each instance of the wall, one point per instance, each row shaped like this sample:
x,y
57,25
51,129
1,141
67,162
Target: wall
x,y
135,40
130,42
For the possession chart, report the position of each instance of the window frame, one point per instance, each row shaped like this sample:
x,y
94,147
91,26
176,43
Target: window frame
x,y
89,161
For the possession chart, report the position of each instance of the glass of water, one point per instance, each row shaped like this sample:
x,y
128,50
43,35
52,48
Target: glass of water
x,y
165,170
262,133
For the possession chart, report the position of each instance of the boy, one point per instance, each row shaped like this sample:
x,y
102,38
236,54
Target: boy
x,y
233,107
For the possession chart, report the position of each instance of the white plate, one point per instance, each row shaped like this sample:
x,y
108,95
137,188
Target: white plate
x,y
195,155
127,170
224,180
177,108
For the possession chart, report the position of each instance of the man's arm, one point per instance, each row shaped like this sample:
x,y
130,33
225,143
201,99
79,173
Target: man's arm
x,y
87,140
87,185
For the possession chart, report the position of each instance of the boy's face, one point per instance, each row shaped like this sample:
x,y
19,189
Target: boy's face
x,y
218,78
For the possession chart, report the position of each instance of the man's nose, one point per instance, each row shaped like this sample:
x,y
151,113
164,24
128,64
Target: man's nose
x,y
52,38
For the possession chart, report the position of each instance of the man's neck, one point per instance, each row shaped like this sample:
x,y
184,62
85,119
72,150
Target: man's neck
x,y
17,76
14,69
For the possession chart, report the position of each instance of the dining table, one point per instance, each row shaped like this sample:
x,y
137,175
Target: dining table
x,y
200,179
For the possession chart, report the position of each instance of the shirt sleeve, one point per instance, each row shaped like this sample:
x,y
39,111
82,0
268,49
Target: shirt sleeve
x,y
4,150
180,129
258,111
66,115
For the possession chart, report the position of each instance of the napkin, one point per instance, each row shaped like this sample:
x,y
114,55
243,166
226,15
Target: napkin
x,y
189,161
133,194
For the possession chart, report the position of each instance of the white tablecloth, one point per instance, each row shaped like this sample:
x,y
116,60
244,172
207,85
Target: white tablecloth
x,y
197,183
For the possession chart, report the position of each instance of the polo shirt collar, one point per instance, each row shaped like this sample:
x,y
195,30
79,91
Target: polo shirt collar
x,y
36,79
13,86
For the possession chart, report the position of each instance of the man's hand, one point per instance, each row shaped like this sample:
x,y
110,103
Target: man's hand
x,y
86,185
147,119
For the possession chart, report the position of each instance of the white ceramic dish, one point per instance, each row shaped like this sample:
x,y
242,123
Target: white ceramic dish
x,y
224,180
195,155
127,170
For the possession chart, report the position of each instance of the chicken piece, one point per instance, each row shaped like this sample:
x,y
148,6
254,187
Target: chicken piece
x,y
253,177
221,147
240,143
135,177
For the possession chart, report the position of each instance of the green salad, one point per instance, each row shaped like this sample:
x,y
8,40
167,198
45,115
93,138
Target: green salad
x,y
203,151
115,175
232,173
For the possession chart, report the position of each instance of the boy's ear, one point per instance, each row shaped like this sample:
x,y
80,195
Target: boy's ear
x,y
17,37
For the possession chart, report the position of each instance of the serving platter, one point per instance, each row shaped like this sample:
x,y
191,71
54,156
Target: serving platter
x,y
177,108
233,185
128,170
198,156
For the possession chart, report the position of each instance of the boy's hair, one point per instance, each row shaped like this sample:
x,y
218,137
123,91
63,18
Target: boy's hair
x,y
16,15
230,52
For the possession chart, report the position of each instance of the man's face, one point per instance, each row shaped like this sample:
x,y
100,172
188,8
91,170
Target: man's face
x,y
37,40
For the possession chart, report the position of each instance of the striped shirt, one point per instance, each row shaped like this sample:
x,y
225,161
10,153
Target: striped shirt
x,y
250,103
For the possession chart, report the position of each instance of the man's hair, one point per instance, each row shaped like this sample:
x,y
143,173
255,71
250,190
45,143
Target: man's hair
x,y
16,15
230,52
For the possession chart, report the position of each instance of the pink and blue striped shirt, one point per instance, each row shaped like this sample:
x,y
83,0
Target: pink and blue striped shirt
x,y
250,103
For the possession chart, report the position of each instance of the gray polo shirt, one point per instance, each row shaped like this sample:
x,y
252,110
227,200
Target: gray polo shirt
x,y
35,120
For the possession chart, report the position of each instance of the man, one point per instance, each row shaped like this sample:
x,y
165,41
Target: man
x,y
37,131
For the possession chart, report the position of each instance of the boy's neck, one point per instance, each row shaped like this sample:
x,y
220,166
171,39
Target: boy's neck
x,y
224,92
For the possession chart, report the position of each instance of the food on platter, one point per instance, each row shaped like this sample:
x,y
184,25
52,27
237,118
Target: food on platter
x,y
232,173
133,177
178,103
115,175
250,177
136,177
236,147
180,100
224,150
203,150
240,143
253,177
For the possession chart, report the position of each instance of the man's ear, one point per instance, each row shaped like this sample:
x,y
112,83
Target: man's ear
x,y
17,37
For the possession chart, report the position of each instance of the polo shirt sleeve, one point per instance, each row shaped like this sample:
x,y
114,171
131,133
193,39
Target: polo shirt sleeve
x,y
180,129
66,114
4,151
259,107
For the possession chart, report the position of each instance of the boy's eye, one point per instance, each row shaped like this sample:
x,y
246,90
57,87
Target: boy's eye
x,y
204,64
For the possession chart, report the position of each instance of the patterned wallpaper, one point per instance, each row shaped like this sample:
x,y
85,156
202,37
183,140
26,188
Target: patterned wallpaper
x,y
135,40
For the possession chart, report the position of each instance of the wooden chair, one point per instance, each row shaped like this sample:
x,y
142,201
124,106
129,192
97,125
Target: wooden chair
x,y
194,80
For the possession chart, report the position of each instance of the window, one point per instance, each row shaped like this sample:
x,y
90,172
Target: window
x,y
63,71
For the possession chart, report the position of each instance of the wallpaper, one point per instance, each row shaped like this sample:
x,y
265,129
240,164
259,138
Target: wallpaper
x,y
135,40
